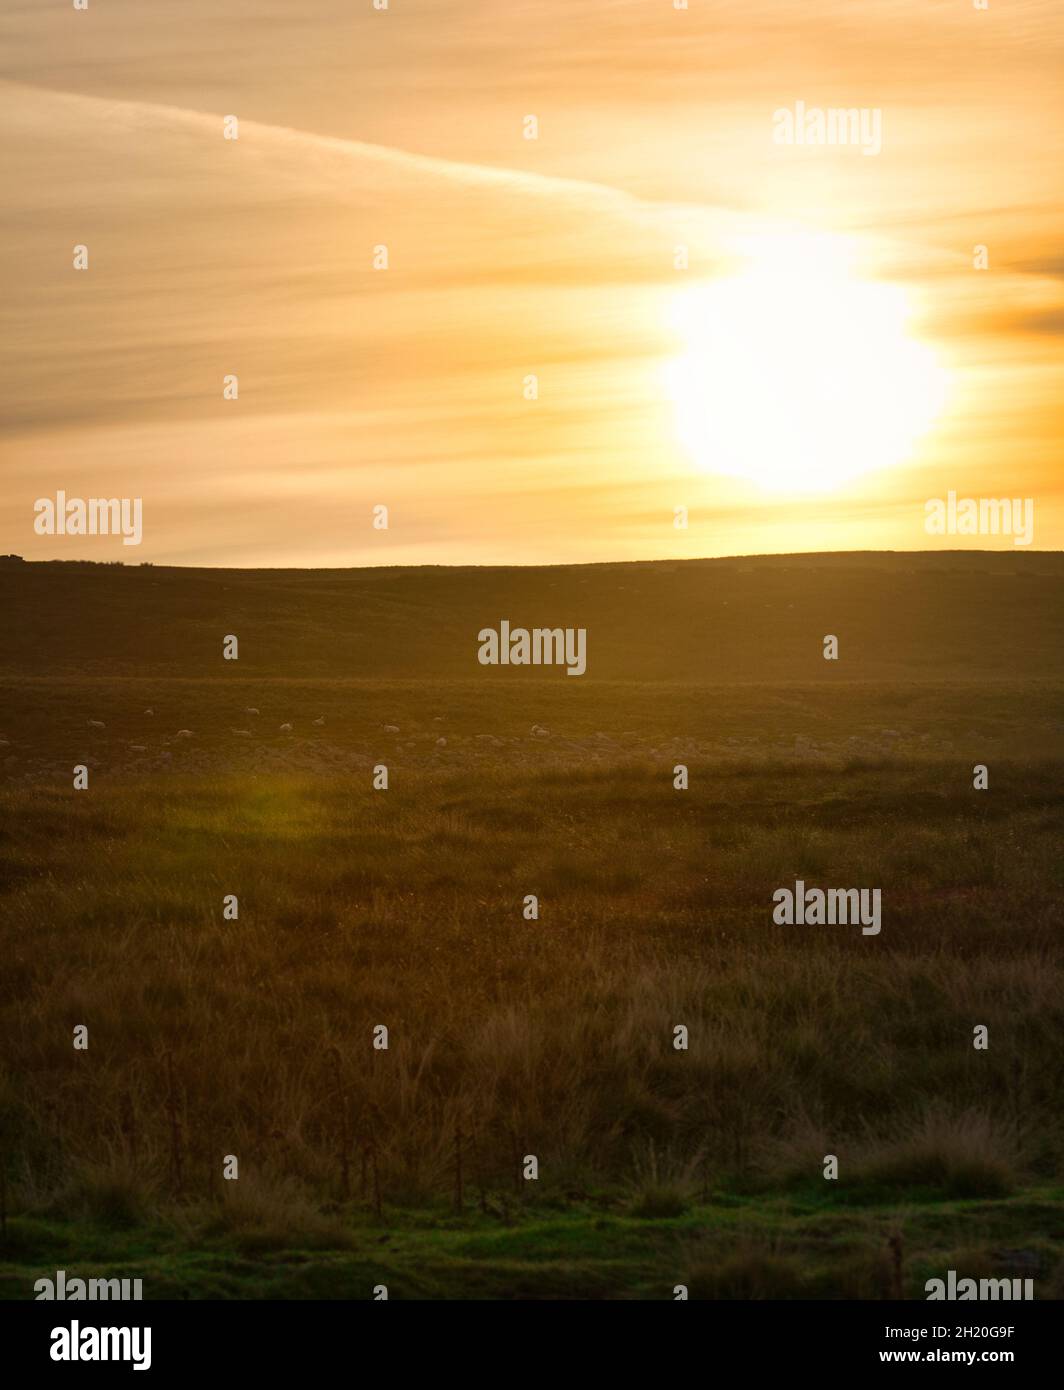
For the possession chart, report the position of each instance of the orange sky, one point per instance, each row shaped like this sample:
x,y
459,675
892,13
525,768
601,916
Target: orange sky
x,y
510,257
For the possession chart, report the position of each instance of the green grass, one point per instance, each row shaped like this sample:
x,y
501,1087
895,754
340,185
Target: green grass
x,y
725,1248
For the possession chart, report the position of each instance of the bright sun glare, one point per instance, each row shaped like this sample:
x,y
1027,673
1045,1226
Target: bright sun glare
x,y
796,373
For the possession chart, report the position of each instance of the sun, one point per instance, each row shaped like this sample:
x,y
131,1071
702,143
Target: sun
x,y
796,373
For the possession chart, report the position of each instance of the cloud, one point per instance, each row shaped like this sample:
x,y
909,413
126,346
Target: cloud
x,y
507,257
255,256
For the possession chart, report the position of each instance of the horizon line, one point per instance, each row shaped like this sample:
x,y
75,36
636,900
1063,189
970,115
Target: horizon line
x,y
1016,552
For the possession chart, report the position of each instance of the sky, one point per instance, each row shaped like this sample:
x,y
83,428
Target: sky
x,y
655,312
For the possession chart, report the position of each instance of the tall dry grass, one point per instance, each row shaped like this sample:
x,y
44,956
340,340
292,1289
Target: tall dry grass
x,y
551,1037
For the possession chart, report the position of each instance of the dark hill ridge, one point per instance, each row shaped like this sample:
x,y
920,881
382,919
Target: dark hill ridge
x,y
964,615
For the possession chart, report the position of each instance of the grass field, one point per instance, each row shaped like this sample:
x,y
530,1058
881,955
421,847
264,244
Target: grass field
x,y
553,1037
